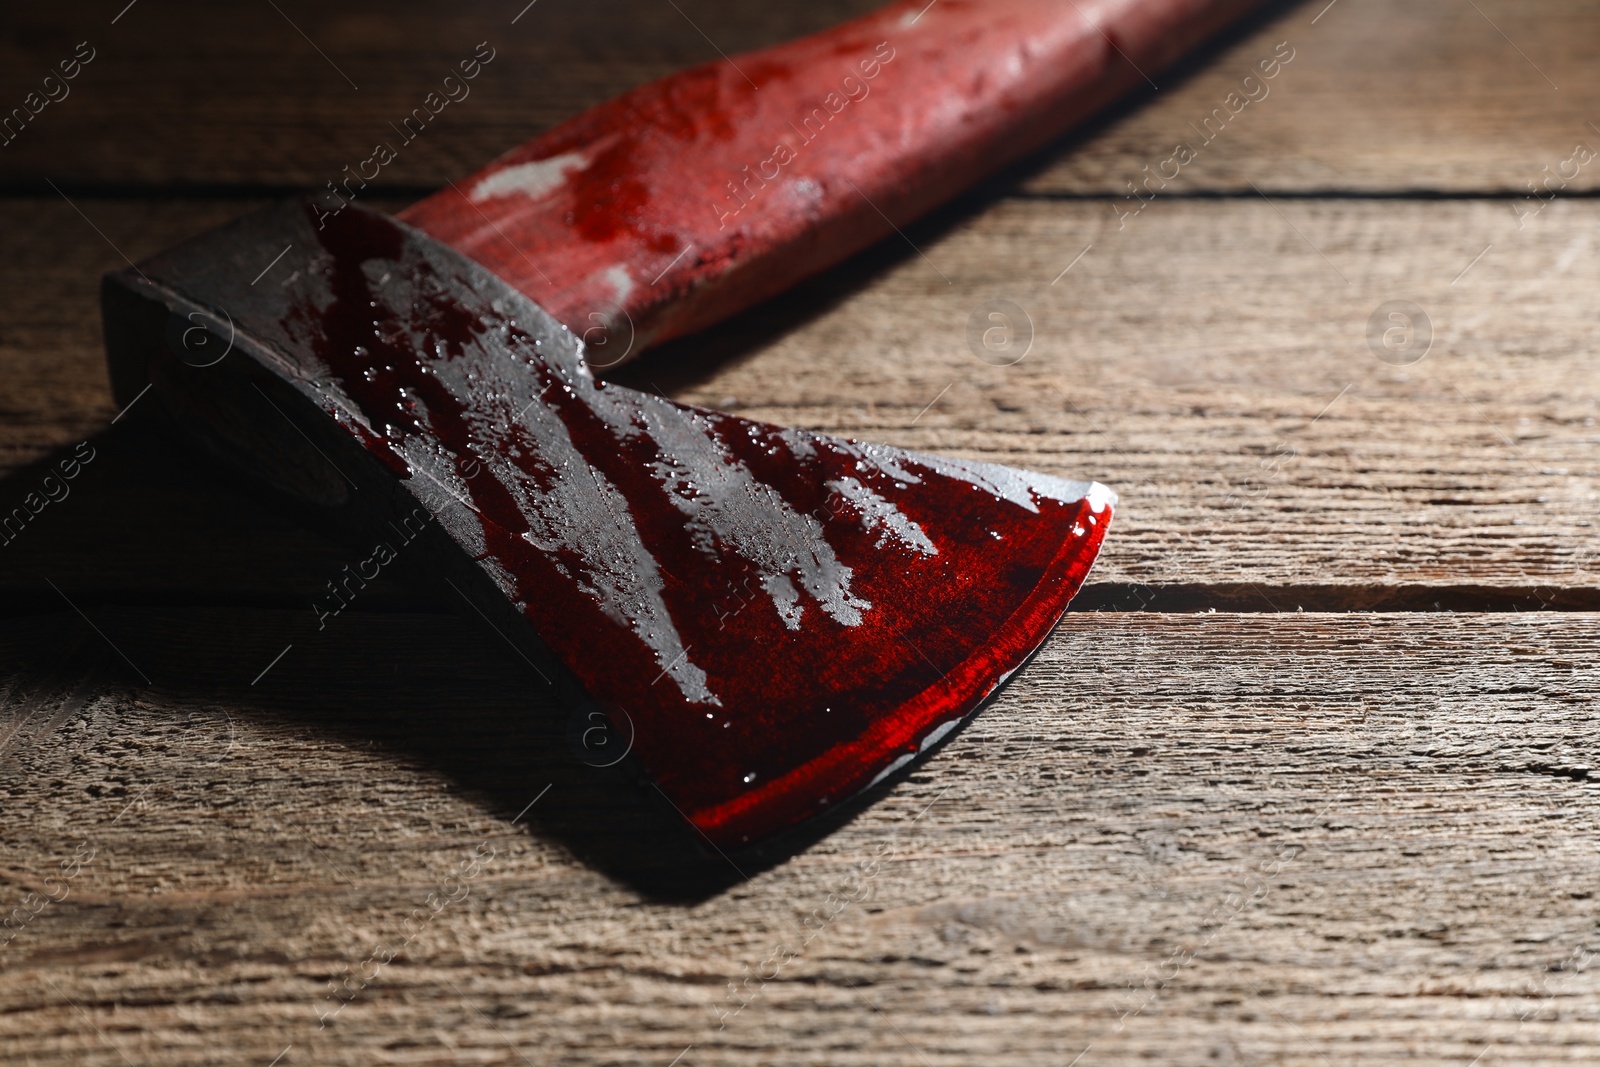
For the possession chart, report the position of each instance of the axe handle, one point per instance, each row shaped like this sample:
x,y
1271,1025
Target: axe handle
x,y
691,198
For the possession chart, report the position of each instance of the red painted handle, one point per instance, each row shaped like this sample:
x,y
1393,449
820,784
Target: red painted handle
x,y
686,200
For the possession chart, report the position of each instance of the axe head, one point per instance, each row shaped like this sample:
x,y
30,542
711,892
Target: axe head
x,y
770,620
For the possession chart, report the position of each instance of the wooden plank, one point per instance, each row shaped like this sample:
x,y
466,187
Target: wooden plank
x,y
1382,95
1184,360
189,93
1302,839
1211,361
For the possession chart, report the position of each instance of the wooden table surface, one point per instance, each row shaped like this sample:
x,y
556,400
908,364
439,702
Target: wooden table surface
x,y
1306,779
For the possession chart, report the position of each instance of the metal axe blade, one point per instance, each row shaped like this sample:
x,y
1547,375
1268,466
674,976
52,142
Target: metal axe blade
x,y
777,619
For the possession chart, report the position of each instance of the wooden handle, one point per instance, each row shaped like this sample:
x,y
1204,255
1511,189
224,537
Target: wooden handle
x,y
688,199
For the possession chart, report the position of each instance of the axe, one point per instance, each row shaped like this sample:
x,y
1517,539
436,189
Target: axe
x,y
770,621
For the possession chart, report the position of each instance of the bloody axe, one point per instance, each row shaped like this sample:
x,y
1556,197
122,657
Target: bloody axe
x,y
425,375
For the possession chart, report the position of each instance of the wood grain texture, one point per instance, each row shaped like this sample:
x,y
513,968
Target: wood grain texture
x,y
1383,95
1211,361
185,93
1349,838
1268,837
1185,361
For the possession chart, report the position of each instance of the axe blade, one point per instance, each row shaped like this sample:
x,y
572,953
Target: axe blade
x,y
777,619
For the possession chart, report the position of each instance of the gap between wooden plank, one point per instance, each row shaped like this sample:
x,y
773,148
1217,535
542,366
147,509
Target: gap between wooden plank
x,y
25,189
1253,598
1243,598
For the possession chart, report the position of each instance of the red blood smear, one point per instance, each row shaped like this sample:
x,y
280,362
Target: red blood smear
x,y
807,717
